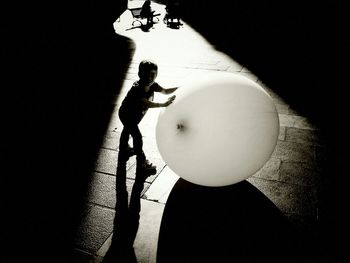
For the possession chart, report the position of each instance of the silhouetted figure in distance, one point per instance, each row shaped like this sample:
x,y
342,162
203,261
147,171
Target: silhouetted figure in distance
x,y
173,11
147,12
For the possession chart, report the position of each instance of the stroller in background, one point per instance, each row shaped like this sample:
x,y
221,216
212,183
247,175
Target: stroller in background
x,y
172,17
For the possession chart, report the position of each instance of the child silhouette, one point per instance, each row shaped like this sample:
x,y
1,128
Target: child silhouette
x,y
134,107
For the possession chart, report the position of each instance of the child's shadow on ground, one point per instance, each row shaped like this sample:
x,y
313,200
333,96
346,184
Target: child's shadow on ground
x,y
127,216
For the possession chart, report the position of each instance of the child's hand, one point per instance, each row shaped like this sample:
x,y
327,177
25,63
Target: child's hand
x,y
170,100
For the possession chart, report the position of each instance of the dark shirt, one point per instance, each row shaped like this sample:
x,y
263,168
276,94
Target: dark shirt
x,y
146,9
133,104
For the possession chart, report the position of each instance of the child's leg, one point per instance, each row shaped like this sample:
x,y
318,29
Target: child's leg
x,y
141,162
137,143
124,139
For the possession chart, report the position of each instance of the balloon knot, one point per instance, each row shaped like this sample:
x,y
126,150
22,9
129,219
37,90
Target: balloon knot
x,y
180,127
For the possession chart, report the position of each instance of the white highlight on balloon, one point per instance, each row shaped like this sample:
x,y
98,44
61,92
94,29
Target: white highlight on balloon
x,y
221,129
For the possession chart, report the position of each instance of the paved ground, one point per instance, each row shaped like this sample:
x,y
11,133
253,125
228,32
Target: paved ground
x,y
288,179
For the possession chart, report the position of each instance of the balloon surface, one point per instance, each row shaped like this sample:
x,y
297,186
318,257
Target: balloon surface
x,y
221,129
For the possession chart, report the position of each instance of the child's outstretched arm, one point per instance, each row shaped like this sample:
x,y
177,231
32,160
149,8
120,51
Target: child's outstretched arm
x,y
151,104
169,90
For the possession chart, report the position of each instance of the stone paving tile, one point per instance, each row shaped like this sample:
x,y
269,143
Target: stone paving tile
x,y
107,162
148,124
282,108
282,133
293,112
293,151
104,248
146,241
133,70
162,185
131,76
198,73
86,209
234,67
270,170
224,59
219,67
169,77
289,198
102,190
150,147
206,61
192,66
303,136
170,67
95,229
174,74
299,173
159,163
111,140
192,47
114,120
245,70
295,122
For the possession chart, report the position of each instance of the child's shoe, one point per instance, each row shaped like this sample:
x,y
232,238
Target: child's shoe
x,y
148,167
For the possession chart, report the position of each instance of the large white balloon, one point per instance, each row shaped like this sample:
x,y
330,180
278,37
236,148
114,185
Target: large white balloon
x,y
221,129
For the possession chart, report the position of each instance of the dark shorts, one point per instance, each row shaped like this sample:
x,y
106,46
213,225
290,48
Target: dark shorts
x,y
130,117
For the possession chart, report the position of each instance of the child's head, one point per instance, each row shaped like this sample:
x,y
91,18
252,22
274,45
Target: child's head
x,y
148,71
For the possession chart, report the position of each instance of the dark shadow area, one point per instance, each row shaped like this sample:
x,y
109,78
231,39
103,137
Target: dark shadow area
x,y
121,248
64,66
300,50
127,218
297,49
234,223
